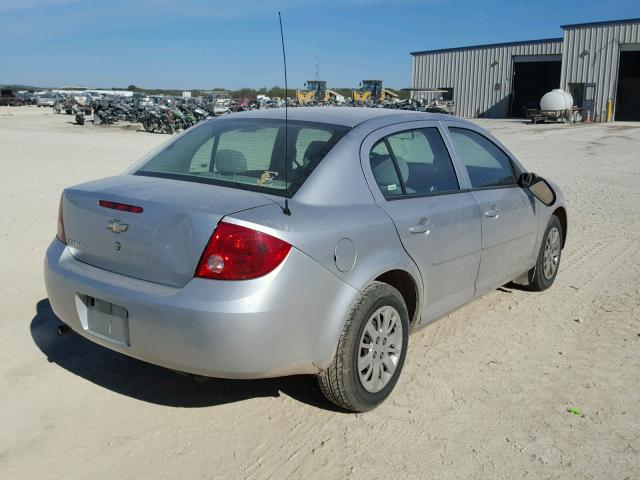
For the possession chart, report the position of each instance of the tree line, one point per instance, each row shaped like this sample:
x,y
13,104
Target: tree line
x,y
239,93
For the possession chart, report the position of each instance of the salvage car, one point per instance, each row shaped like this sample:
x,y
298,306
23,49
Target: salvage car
x,y
47,99
258,245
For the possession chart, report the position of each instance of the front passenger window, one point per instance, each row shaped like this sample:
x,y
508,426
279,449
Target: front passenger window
x,y
487,165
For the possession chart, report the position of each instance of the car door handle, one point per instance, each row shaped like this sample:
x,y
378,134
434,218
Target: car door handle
x,y
423,226
493,212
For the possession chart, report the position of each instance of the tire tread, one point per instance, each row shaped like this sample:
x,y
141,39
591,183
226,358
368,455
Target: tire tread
x,y
537,282
331,380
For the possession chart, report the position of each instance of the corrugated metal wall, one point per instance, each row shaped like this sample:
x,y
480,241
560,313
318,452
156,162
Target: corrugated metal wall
x,y
600,64
480,76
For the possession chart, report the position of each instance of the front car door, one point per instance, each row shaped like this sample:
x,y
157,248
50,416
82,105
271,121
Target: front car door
x,y
414,180
509,223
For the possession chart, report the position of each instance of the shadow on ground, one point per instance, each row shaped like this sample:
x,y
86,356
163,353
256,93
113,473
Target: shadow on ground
x,y
150,383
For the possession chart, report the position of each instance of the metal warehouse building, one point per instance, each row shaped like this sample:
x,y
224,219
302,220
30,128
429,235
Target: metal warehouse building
x,y
598,63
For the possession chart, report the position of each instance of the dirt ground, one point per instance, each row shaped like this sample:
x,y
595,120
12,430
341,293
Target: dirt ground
x,y
484,392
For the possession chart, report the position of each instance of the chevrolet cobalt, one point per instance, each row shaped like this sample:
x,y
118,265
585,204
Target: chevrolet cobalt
x,y
251,246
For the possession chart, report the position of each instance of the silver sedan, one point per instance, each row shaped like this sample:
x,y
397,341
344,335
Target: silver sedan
x,y
250,246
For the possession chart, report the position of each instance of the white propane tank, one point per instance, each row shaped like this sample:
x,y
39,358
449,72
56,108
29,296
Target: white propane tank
x,y
556,100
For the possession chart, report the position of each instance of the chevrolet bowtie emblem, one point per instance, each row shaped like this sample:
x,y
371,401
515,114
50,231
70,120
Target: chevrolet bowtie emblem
x,y
116,226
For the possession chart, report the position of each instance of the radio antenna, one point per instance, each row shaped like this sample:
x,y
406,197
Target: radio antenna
x,y
286,210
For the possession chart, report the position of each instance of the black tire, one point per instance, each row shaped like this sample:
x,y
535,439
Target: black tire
x,y
340,383
538,280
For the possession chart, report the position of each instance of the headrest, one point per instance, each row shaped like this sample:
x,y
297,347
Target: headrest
x,y
231,162
312,151
385,172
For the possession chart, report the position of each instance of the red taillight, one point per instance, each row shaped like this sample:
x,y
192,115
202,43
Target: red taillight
x,y
239,253
123,207
61,236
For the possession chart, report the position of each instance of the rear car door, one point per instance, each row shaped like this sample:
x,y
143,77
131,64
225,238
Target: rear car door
x,y
509,224
413,178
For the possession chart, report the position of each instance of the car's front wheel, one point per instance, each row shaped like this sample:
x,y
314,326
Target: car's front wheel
x,y
544,273
371,350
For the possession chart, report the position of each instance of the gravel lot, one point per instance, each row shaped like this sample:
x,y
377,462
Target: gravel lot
x,y
484,393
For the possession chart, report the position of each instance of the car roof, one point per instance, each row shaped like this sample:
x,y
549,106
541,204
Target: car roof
x,y
346,116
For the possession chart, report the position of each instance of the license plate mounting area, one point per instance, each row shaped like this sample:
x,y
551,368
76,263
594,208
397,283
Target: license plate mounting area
x,y
104,319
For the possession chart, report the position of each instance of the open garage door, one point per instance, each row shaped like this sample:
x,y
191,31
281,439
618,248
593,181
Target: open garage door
x,y
533,76
628,92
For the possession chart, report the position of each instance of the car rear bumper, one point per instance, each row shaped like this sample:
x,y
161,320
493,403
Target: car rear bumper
x,y
287,322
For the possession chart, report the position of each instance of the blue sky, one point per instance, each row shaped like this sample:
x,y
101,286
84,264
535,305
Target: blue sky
x,y
204,44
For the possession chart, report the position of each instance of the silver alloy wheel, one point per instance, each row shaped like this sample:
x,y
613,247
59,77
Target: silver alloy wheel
x,y
379,349
551,255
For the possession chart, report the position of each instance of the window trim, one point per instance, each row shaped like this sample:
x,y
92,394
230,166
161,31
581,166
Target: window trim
x,y
493,187
395,167
450,192
404,194
403,187
516,172
427,194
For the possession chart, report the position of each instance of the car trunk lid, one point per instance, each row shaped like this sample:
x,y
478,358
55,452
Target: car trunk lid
x,y
161,244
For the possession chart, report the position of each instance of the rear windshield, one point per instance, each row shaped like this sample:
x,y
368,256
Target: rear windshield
x,y
246,153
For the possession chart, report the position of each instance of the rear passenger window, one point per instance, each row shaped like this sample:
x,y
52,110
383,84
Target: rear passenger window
x,y
487,165
418,162
384,170
423,161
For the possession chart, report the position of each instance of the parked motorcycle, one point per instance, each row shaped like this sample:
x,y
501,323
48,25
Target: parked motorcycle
x,y
79,116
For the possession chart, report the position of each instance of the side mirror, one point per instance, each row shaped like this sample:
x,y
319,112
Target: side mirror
x,y
539,187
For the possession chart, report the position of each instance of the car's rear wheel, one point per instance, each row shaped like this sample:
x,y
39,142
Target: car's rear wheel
x,y
544,273
371,350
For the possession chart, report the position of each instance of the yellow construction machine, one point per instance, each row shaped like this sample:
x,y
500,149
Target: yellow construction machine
x,y
315,92
372,91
